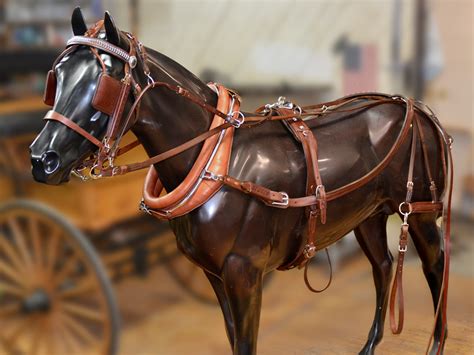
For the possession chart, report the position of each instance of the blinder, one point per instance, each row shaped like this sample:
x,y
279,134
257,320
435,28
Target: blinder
x,y
106,96
50,89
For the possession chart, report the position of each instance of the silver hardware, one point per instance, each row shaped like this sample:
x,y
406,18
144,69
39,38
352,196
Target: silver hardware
x,y
402,250
238,121
309,251
209,175
100,44
132,61
144,208
284,201
79,173
150,79
324,108
93,174
318,190
405,214
405,204
115,170
410,185
297,109
283,103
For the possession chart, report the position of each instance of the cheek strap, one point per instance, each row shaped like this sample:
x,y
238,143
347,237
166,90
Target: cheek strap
x,y
55,116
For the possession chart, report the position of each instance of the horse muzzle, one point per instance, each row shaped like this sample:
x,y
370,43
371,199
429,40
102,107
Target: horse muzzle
x,y
45,167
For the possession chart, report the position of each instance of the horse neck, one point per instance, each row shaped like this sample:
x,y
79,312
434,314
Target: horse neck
x,y
167,120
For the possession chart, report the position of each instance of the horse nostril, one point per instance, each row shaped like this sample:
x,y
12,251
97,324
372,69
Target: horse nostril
x,y
50,162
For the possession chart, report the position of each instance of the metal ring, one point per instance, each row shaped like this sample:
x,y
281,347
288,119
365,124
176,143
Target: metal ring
x,y
92,173
150,80
410,208
235,121
297,109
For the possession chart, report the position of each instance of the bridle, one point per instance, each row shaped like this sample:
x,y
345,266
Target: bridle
x,y
110,97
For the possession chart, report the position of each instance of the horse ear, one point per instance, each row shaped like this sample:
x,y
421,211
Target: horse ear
x,y
111,31
79,26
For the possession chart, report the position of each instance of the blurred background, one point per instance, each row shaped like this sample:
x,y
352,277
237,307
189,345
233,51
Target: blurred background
x,y
126,267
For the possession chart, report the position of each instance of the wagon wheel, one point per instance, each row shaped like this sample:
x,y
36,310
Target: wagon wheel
x,y
191,278
55,297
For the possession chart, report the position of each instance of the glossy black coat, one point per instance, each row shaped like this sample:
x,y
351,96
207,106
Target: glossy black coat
x,y
236,239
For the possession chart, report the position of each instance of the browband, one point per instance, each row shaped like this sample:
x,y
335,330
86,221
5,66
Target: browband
x,y
105,46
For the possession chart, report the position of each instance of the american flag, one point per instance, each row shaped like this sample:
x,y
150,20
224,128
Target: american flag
x,y
360,69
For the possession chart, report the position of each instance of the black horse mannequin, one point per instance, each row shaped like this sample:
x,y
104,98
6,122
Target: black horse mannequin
x,y
233,237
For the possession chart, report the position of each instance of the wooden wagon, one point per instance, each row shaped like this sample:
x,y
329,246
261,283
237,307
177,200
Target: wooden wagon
x,y
56,293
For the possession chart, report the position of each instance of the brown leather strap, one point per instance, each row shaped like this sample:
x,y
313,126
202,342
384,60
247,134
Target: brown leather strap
x,y
426,207
306,280
271,197
56,116
124,169
331,195
397,286
443,297
128,147
115,123
424,149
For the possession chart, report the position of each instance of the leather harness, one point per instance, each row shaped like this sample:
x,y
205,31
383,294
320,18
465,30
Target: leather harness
x,y
210,171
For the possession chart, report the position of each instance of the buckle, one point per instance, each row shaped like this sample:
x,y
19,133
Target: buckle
x,y
309,251
402,249
143,207
284,202
238,121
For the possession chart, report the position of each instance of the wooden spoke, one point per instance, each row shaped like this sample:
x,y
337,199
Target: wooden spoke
x,y
79,329
83,312
37,333
66,269
9,310
52,250
36,241
10,253
10,289
84,286
20,241
10,273
20,327
66,339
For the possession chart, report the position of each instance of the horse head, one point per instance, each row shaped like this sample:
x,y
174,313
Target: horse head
x,y
78,92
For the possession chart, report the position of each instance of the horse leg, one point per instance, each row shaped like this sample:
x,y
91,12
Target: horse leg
x,y
243,287
427,239
372,237
219,290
